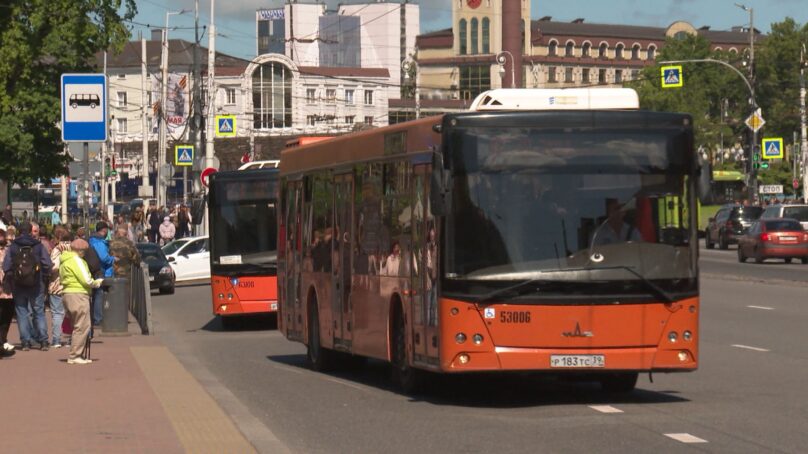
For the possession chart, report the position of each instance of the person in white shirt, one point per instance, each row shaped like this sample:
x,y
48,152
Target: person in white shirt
x,y
615,229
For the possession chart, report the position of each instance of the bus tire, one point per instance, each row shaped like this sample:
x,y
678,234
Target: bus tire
x,y
408,379
319,358
623,382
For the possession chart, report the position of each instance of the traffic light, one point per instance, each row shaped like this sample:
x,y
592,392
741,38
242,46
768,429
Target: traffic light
x,y
107,166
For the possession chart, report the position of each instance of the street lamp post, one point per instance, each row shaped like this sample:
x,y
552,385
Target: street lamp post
x,y
162,139
752,170
406,65
803,138
501,60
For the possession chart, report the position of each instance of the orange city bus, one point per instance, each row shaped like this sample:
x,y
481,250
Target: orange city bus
x,y
543,230
243,239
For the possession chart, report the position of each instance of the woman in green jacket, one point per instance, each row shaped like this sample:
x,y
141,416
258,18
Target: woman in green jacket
x,y
77,282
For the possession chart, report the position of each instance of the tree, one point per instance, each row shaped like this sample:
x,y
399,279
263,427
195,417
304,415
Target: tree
x,y
39,41
777,69
708,91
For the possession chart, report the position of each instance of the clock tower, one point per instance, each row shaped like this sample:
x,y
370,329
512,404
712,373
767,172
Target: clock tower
x,y
477,26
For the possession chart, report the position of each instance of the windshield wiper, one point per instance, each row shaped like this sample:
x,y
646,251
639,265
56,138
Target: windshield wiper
x,y
519,288
649,284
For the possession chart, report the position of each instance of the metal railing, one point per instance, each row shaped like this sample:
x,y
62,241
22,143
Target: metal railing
x,y
140,298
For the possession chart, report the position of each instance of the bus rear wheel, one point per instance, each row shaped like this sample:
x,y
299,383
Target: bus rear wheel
x,y
319,358
619,382
408,379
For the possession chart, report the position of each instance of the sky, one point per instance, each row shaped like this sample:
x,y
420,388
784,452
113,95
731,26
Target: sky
x,y
235,19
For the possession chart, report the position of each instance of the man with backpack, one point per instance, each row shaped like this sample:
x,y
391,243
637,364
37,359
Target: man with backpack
x,y
28,264
100,262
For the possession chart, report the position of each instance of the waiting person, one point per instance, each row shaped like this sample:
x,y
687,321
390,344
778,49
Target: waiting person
x,y
11,233
155,219
183,223
55,288
137,227
77,283
101,248
7,217
81,233
30,266
615,229
124,251
6,302
167,231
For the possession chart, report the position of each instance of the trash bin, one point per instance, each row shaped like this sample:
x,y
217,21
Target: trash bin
x,y
116,306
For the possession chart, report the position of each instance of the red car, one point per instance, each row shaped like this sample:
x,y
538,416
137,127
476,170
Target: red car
x,y
782,238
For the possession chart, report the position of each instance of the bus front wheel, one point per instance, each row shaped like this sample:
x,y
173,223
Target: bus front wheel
x,y
407,378
619,383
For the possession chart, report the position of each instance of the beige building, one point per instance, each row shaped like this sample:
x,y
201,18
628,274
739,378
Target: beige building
x,y
458,63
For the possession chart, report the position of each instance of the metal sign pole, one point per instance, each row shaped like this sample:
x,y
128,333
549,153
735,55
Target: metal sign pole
x,y
87,182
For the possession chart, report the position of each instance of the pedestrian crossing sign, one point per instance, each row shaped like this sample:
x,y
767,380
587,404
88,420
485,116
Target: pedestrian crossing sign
x,y
772,148
225,126
183,155
672,76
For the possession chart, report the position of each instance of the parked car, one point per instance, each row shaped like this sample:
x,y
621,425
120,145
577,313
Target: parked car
x,y
774,238
161,275
729,223
798,211
189,257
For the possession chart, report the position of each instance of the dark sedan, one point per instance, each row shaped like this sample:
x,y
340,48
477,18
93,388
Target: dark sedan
x,y
161,276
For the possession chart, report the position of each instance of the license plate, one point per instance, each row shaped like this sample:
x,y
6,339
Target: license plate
x,y
151,278
788,238
572,361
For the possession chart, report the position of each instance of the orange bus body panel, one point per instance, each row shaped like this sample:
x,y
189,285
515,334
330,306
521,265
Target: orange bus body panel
x,y
631,336
251,295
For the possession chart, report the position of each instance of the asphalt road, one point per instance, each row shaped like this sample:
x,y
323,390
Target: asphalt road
x,y
749,395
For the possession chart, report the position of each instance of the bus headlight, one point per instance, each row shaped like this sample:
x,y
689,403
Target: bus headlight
x,y
460,338
463,358
687,335
672,336
477,339
229,296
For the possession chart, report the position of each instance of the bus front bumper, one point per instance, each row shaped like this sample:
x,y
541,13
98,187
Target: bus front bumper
x,y
245,307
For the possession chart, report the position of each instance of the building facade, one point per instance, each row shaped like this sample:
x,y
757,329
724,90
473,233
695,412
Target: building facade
x,y
364,35
460,62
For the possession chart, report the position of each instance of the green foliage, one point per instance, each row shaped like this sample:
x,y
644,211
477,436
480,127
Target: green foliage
x,y
706,87
40,40
780,173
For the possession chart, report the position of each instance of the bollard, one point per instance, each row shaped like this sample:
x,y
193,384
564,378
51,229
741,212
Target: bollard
x,y
116,307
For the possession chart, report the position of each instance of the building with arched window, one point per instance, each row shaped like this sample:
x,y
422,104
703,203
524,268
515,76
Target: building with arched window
x,y
556,54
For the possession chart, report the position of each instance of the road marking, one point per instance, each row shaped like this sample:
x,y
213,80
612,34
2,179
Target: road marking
x,y
686,438
605,409
761,307
757,349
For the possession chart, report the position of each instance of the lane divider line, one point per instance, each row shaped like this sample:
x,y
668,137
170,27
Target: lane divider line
x,y
605,409
765,308
757,349
686,438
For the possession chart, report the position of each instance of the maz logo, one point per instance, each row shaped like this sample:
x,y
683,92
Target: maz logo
x,y
577,332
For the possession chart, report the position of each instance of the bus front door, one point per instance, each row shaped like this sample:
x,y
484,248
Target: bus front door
x,y
341,253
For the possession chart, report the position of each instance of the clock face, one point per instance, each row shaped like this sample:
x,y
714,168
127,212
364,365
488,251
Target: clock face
x,y
473,3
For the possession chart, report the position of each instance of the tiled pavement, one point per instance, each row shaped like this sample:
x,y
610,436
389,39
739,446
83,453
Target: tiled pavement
x,y
135,397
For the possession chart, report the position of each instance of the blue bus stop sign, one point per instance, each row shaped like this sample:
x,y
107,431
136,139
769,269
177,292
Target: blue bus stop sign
x,y
84,108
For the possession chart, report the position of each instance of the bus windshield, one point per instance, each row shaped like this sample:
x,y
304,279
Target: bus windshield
x,y
580,211
243,223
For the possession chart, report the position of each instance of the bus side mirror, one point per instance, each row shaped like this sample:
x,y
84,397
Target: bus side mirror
x,y
439,193
704,181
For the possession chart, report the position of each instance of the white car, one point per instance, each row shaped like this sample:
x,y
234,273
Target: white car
x,y
189,258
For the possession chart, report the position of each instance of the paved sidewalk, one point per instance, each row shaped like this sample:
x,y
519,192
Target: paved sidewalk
x,y
135,397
